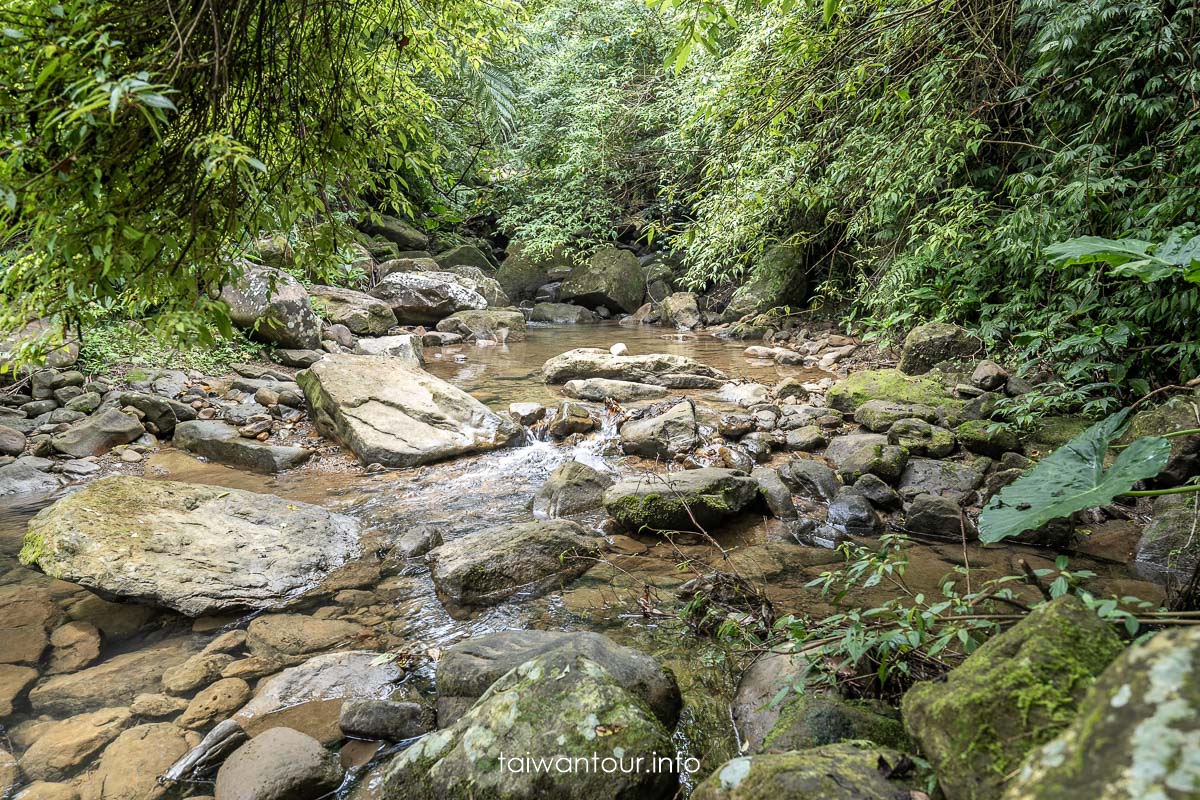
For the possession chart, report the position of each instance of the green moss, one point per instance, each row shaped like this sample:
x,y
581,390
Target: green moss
x,y
891,385
670,512
813,720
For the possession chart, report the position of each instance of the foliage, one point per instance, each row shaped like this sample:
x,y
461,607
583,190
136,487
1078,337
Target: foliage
x,y
1133,258
116,344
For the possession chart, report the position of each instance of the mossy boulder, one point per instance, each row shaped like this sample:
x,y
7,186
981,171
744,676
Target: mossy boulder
x,y
843,771
662,436
465,255
890,385
680,501
1180,413
1137,733
777,279
878,415
405,235
1016,692
584,730
987,438
611,278
929,345
920,438
522,271
814,719
885,461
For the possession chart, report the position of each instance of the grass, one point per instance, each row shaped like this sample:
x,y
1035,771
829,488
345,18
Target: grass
x,y
118,347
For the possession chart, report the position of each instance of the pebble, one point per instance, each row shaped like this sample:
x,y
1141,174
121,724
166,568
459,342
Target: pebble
x,y
131,456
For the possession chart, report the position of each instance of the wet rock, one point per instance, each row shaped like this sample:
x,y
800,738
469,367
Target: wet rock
x,y
682,311
1180,413
843,771
944,478
14,681
223,443
279,764
98,434
879,415
75,646
890,385
157,705
230,536
116,621
41,790
10,773
775,492
878,493
570,418
392,414
920,438
987,438
851,514
662,436
806,439
743,394
393,721
292,638
1169,548
309,697
417,541
1135,734
363,314
130,766
12,442
611,278
62,747
406,346
423,298
931,344
661,369
467,669
810,479
883,461
841,448
680,501
939,516
273,306
19,480
214,703
199,670
597,390
529,559
571,489
562,314
492,324
817,718
989,376
22,644
1042,666
561,703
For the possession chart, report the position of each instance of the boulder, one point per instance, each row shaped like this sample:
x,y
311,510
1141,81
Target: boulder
x,y
1135,734
465,255
14,681
273,306
989,376
412,261
467,669
403,234
683,311
222,443
63,747
660,369
279,764
662,436
480,282
130,766
390,413
562,314
929,345
494,324
816,718
777,278
39,342
197,671
522,272
529,559
987,438
945,478
406,346
1169,548
878,415
680,501
883,461
775,493
844,771
809,478
214,703
841,448
423,298
850,514
888,385
598,390
159,414
126,536
1016,692
12,442
363,314
98,434
74,646
571,489
557,704
921,438
611,278
20,481
1180,413
940,516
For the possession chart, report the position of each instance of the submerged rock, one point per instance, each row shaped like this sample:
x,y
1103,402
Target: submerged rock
x,y
192,548
363,314
279,764
64,746
680,501
130,766
222,443
1017,691
391,413
660,369
844,771
274,307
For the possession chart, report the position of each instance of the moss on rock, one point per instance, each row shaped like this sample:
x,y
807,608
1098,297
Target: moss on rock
x,y
814,719
890,385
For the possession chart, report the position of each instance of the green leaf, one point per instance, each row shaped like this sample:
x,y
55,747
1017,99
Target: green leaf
x,y
1071,479
831,8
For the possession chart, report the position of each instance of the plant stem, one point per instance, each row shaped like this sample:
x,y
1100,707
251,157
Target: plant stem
x,y
1194,487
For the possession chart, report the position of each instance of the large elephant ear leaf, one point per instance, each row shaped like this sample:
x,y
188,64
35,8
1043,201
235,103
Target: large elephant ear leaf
x,y
1071,479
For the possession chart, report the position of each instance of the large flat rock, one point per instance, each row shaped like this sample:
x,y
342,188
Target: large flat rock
x,y
192,548
392,413
659,369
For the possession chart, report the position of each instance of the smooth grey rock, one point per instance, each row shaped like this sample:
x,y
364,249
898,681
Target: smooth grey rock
x,y
279,764
363,314
776,493
571,489
662,436
98,434
406,346
680,501
368,718
423,298
661,369
597,390
562,314
493,324
810,478
611,278
219,442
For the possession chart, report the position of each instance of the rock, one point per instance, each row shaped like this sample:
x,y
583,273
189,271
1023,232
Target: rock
x,y
598,390
884,461
273,306
14,681
389,413
1135,734
407,346
116,621
743,394
157,706
571,489
530,558
75,646
989,376
878,415
570,418
850,514
85,403
231,539
111,683
214,703
400,232
130,766
522,271
20,481
1169,548
682,310
363,314
98,434
660,369
274,251
931,344
482,283
778,278
10,773
41,790
413,261
673,431
562,314
680,501
920,438
251,667
815,718
423,298
12,442
806,439
878,493
199,670
159,414
775,492
279,764
367,718
222,443
309,697
939,516
465,255
1041,667
298,358
611,278
841,448
978,436
292,638
944,478
810,479
843,771
467,669
22,644
64,746
493,324
1180,413
559,703
889,385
